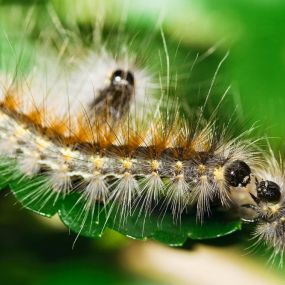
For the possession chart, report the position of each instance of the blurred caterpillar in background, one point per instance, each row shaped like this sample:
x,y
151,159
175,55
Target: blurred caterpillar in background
x,y
93,124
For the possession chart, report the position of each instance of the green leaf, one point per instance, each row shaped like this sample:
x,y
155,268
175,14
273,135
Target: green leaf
x,y
35,194
161,228
87,223
174,233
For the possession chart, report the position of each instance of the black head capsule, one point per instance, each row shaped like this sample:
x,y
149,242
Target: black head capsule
x,y
237,174
268,191
122,78
113,101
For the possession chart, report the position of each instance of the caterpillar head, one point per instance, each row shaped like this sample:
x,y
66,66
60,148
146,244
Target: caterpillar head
x,y
268,191
122,78
237,174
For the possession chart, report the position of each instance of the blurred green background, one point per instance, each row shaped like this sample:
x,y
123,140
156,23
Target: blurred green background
x,y
34,251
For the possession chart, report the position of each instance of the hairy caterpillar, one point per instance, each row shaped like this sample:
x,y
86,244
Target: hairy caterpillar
x,y
81,127
113,157
88,122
